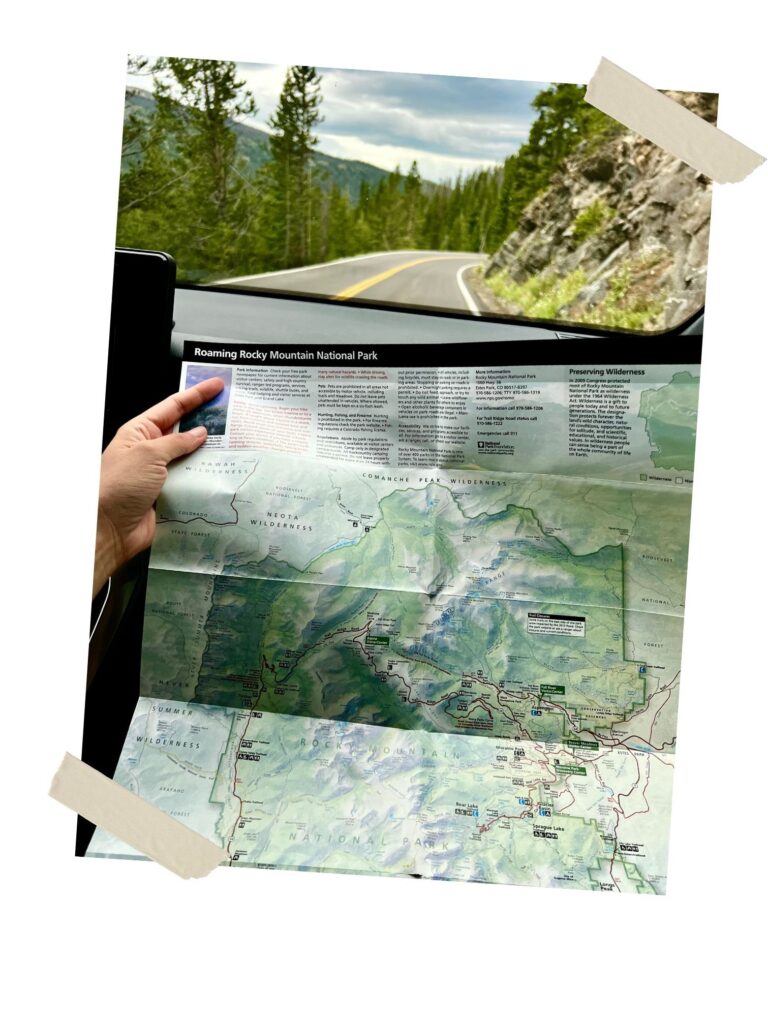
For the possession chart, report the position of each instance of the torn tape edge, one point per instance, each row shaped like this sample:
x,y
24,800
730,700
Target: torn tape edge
x,y
133,820
670,125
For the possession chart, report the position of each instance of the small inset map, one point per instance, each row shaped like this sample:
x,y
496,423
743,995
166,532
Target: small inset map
x,y
670,421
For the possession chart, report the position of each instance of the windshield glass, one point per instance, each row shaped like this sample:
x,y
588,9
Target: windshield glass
x,y
491,197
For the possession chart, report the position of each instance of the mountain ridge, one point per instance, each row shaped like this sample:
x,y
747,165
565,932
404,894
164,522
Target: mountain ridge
x,y
253,145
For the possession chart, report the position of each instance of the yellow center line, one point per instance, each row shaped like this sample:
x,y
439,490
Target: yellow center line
x,y
369,282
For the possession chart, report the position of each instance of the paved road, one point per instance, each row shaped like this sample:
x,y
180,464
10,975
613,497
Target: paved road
x,y
417,277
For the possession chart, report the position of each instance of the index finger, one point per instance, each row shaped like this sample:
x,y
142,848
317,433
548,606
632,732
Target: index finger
x,y
168,412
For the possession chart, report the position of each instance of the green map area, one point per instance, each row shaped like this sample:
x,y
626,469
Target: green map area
x,y
447,673
293,792
670,417
512,606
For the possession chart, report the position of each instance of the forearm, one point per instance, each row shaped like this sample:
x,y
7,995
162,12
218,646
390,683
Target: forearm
x,y
108,556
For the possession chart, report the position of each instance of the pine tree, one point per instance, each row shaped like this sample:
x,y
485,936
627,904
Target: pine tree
x,y
209,97
564,121
363,238
412,204
188,193
338,223
294,195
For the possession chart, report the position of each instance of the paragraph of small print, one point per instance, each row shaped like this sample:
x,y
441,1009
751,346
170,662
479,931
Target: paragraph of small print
x,y
557,625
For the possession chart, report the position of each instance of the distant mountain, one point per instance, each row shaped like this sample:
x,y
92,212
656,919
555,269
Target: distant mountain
x,y
253,144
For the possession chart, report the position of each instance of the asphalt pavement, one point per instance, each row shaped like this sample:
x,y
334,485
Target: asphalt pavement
x,y
416,277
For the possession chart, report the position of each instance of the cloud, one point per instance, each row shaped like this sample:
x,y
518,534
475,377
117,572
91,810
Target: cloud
x,y
448,124
448,134
432,166
265,81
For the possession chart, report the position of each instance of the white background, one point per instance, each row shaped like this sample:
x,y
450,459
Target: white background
x,y
112,941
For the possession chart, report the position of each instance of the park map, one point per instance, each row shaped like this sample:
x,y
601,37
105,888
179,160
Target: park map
x,y
445,671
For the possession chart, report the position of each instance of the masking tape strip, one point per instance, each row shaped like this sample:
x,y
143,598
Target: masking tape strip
x,y
144,827
669,125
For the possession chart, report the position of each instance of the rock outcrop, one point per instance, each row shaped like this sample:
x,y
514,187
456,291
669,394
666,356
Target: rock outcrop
x,y
625,223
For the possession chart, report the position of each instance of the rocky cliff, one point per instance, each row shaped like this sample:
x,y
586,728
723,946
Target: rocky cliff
x,y
619,238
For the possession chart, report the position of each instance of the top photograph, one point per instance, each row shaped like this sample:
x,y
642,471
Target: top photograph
x,y
509,200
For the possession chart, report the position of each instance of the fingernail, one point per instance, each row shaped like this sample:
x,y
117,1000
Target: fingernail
x,y
198,432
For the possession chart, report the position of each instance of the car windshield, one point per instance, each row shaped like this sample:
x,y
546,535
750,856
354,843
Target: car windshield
x,y
495,198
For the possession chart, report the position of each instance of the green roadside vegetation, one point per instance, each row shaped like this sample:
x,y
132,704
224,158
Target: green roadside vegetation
x,y
590,222
631,300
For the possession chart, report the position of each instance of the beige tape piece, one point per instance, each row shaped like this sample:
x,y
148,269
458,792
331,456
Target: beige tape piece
x,y
677,130
144,827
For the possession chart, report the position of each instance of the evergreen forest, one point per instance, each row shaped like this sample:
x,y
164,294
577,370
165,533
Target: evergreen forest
x,y
190,185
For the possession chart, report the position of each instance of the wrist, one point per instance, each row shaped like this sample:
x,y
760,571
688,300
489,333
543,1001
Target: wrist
x,y
108,555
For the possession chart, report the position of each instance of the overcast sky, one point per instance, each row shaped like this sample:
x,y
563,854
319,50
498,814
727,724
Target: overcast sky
x,y
447,124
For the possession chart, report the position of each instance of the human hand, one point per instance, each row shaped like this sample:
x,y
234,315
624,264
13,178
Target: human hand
x,y
134,468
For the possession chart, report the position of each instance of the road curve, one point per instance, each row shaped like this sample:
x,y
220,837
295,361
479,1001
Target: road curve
x,y
413,276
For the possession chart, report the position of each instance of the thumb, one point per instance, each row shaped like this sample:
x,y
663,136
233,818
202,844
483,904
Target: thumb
x,y
173,446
